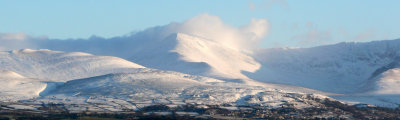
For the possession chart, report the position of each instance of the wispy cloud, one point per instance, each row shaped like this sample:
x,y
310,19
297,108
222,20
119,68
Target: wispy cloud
x,y
213,28
11,41
368,34
313,37
13,36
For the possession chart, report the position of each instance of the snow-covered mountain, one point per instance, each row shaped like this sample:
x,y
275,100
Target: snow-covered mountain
x,y
196,55
167,87
149,82
60,66
45,76
175,51
339,68
27,73
344,68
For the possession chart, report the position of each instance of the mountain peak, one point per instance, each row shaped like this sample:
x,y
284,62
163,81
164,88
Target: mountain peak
x,y
224,61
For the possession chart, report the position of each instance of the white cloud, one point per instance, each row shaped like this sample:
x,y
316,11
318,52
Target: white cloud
x,y
13,41
13,36
213,28
255,31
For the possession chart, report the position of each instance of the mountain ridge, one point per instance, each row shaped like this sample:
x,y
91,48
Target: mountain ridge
x,y
352,63
61,66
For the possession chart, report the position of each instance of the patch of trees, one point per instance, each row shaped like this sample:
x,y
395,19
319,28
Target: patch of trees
x,y
155,108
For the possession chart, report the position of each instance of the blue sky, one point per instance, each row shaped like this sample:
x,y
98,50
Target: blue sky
x,y
293,23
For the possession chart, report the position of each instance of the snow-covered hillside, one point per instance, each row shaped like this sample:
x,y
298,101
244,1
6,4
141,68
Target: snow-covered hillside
x,y
388,82
363,72
344,68
165,87
61,66
15,86
340,68
195,55
45,76
173,51
148,82
27,73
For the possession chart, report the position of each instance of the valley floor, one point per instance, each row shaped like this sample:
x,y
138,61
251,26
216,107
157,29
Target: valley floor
x,y
326,110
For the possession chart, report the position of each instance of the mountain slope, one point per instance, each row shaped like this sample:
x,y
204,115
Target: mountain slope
x,y
44,70
117,84
123,81
15,86
340,68
195,55
61,66
173,51
388,82
155,87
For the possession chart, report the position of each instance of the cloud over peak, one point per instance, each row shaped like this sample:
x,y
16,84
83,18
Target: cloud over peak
x,y
213,28
204,25
206,42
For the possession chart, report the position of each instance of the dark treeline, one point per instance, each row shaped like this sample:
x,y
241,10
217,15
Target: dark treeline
x,y
329,109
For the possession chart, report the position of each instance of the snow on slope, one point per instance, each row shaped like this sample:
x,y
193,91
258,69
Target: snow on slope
x,y
171,88
194,55
61,66
388,82
339,68
173,51
15,86
363,72
117,84
226,62
10,74
44,71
